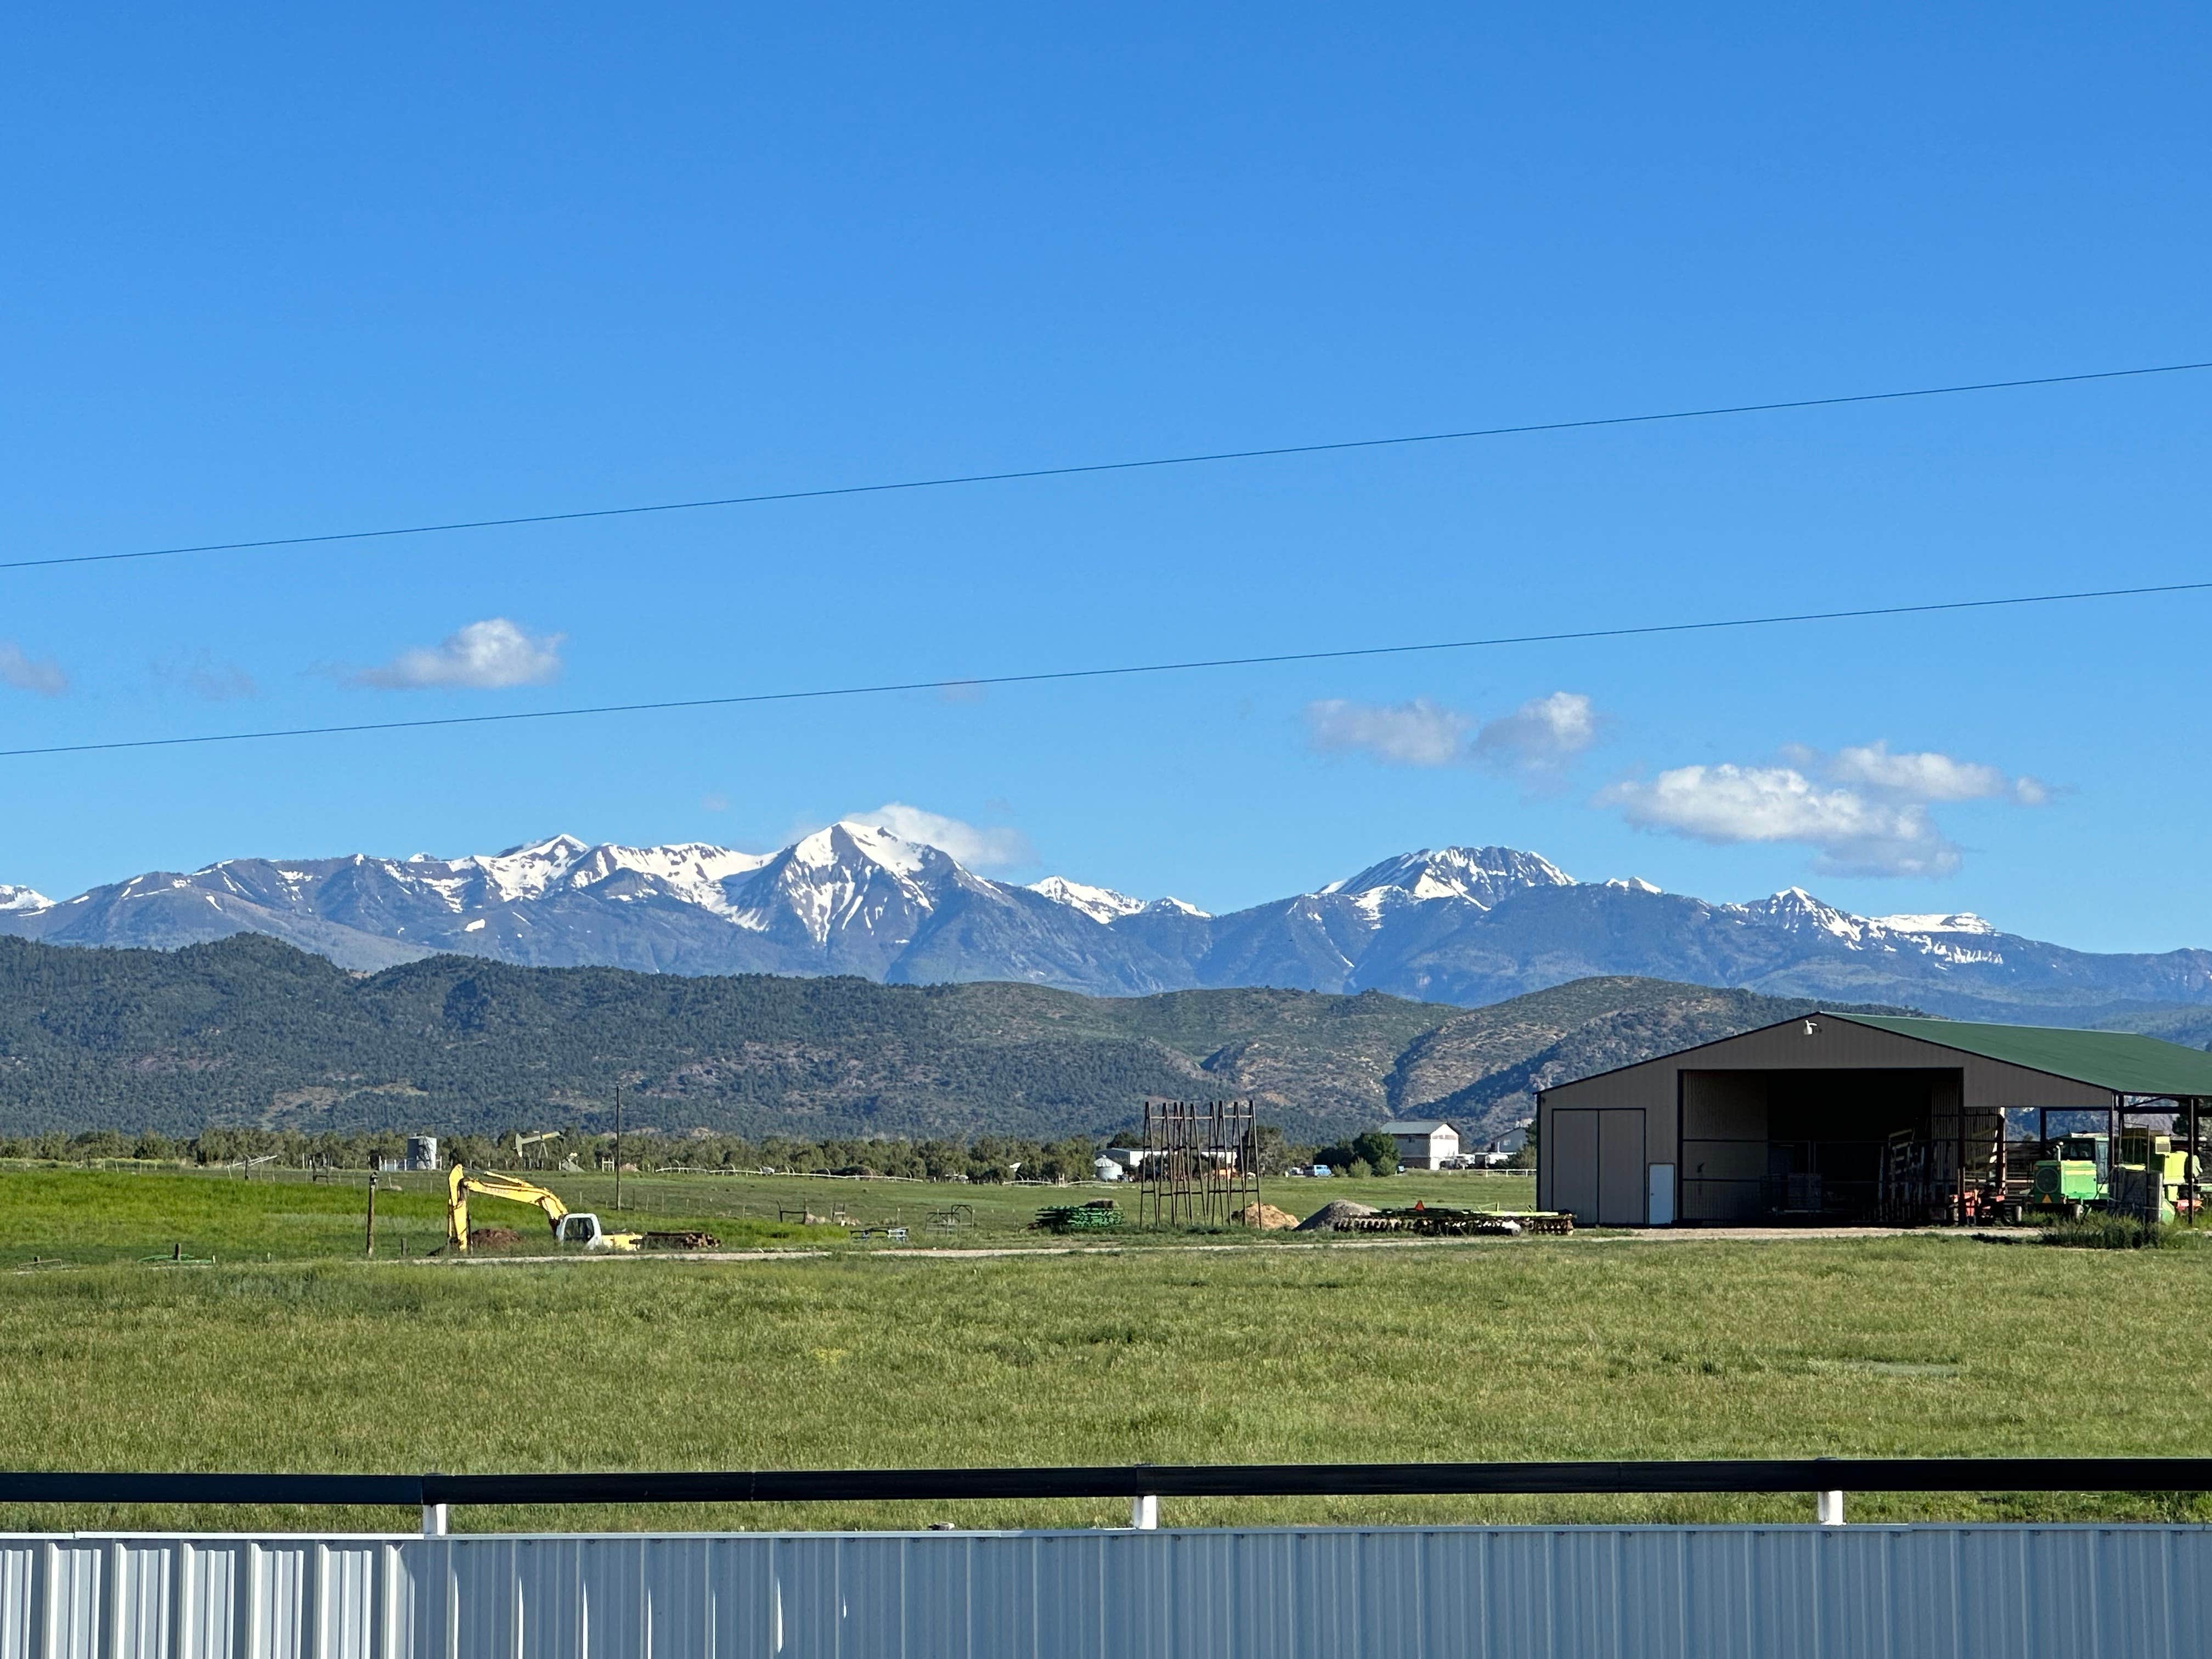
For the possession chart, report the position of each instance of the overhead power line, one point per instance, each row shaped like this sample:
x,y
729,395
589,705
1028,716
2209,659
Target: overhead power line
x,y
1121,672
1081,469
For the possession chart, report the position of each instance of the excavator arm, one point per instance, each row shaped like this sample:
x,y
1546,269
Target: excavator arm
x,y
490,1183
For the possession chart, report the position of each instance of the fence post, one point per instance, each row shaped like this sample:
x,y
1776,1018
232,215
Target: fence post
x,y
433,1520
1145,1513
1830,1507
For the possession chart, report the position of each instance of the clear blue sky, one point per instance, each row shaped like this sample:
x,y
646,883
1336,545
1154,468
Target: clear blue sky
x,y
270,271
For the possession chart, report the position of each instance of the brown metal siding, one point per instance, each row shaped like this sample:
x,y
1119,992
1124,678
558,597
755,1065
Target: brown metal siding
x,y
1836,1044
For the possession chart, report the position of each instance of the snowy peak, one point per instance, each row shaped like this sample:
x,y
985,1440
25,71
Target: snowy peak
x,y
1101,904
857,878
1795,910
846,841
525,873
1959,922
1481,875
22,900
1633,884
1175,906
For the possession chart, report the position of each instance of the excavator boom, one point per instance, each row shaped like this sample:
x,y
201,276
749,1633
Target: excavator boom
x,y
494,1184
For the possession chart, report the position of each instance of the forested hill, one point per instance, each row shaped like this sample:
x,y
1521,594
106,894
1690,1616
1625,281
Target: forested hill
x,y
249,1031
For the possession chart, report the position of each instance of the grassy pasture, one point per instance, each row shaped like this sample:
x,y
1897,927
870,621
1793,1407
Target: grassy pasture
x,y
1530,1348
91,1216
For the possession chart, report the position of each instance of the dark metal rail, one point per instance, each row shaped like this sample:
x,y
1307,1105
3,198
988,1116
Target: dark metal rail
x,y
1801,1474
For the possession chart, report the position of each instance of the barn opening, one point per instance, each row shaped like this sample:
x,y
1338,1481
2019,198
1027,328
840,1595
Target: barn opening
x,y
1823,1146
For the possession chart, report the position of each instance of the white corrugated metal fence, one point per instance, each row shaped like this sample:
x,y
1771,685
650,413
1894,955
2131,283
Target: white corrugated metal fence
x,y
2067,1592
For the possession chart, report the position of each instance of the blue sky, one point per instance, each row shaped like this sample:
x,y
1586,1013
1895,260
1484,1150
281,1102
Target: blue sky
x,y
272,273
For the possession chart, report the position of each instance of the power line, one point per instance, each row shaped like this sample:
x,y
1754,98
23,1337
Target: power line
x,y
1125,671
1084,468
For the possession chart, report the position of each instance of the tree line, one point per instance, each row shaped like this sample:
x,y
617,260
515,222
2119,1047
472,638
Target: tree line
x,y
985,1157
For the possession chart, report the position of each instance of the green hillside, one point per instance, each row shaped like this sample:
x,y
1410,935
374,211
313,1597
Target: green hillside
x,y
248,1031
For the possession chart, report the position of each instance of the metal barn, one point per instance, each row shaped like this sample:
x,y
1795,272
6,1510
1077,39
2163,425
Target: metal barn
x,y
1848,1118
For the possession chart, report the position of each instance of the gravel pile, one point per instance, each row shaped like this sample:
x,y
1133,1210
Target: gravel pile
x,y
1325,1219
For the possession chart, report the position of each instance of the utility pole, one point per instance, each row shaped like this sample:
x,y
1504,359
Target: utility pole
x,y
617,1144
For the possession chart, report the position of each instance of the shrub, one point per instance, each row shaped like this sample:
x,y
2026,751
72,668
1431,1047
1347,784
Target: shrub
x,y
2121,1232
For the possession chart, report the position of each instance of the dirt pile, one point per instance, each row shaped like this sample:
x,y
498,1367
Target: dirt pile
x,y
1265,1217
1327,1218
494,1238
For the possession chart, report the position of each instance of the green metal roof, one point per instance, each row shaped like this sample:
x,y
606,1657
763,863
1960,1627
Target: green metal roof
x,y
2119,1061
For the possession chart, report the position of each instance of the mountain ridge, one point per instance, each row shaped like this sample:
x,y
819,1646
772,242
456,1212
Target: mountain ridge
x,y
249,1032
1468,926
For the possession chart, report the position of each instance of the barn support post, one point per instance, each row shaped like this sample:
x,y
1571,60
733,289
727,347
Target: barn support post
x,y
2189,1161
1959,1170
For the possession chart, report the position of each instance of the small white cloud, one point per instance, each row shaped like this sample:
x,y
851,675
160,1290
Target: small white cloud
x,y
1416,733
27,673
715,802
1854,834
1930,776
1541,735
976,846
486,655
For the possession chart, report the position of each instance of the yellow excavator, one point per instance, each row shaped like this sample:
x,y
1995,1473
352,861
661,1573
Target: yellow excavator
x,y
576,1227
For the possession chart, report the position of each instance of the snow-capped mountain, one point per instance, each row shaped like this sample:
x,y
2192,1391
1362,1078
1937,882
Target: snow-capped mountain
x,y
1099,903
1455,924
1481,875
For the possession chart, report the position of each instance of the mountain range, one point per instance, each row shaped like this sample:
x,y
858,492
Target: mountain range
x,y
1468,926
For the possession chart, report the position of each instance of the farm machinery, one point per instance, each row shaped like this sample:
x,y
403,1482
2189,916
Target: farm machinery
x,y
2078,1174
574,1227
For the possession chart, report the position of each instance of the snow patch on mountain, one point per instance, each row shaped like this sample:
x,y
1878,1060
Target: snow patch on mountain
x,y
1175,906
1633,884
1101,904
1959,922
22,899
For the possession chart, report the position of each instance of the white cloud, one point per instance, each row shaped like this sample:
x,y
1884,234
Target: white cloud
x,y
25,673
1536,740
976,846
485,655
1416,733
1930,777
1541,735
1855,833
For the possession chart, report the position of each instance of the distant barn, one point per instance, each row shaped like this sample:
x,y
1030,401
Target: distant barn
x,y
1837,1118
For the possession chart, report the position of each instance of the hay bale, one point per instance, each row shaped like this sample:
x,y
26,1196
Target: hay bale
x,y
1265,1217
1337,1210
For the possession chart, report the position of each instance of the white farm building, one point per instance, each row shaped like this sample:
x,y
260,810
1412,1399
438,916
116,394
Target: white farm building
x,y
1423,1145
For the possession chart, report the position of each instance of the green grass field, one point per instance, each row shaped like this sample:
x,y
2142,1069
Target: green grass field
x,y
1587,1347
90,1216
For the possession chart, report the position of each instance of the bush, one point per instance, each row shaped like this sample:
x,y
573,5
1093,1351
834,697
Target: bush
x,y
2121,1232
1379,1150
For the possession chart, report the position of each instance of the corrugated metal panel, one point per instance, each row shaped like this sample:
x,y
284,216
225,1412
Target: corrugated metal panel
x,y
1441,1593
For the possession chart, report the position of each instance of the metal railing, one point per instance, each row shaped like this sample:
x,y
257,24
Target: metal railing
x,y
1143,1484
